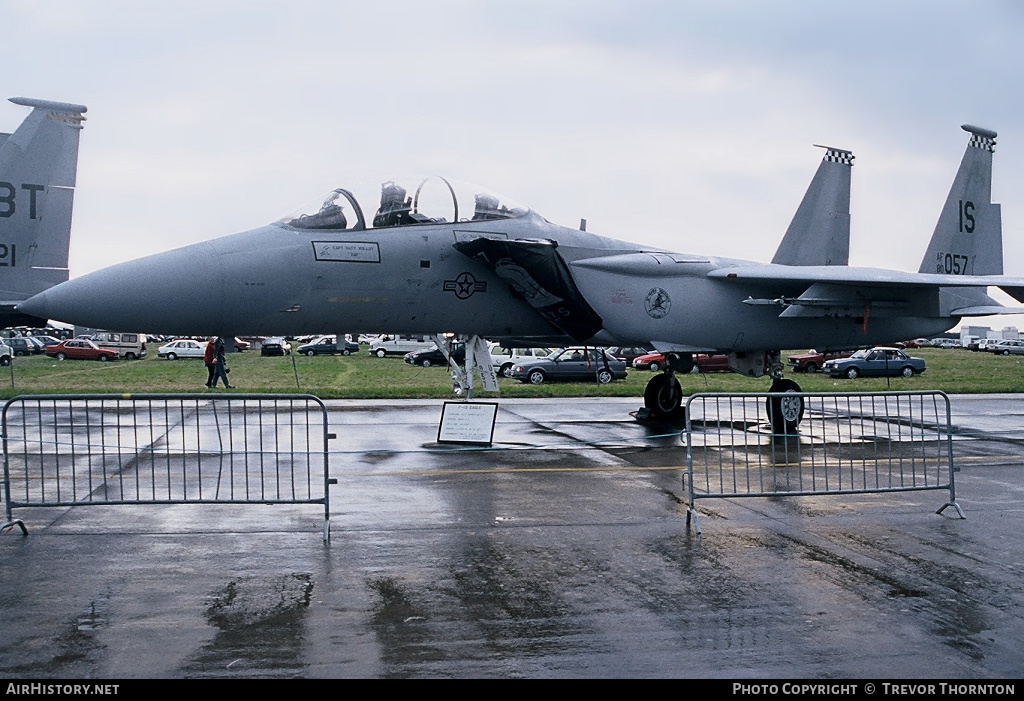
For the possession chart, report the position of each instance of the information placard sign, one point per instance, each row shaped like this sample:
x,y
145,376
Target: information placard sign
x,y
467,422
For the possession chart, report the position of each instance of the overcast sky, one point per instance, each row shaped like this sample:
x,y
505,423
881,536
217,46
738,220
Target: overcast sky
x,y
684,125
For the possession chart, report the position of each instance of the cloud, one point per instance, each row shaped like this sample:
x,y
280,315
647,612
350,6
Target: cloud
x,y
682,125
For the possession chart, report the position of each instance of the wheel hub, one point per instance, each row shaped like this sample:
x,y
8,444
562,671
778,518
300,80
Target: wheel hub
x,y
789,407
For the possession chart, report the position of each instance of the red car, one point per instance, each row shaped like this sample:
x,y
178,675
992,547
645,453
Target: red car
x,y
704,362
711,363
812,360
80,349
651,361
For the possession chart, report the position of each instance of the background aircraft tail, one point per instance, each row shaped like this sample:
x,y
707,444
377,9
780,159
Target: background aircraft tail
x,y
38,163
820,231
968,238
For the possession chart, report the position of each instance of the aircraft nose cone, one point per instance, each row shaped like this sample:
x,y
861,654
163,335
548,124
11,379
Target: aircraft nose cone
x,y
180,291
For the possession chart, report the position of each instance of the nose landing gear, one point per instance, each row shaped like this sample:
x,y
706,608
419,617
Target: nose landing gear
x,y
663,396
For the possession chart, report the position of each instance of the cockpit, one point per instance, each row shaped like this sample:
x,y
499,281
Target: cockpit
x,y
434,200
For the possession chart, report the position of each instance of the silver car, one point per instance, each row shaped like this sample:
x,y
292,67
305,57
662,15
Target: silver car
x,y
1006,348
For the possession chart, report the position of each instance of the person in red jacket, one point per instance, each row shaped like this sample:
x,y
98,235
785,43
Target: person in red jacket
x,y
210,361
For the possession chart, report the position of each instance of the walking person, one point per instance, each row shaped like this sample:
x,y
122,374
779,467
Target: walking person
x,y
209,360
220,371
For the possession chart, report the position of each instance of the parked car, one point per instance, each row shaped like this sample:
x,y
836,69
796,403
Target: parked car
x,y
652,361
718,362
504,359
813,360
275,345
433,356
1007,347
572,364
22,345
876,362
702,362
241,345
182,348
328,345
629,353
6,353
47,340
80,349
398,345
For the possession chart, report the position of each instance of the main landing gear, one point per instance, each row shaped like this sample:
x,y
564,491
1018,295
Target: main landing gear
x,y
663,396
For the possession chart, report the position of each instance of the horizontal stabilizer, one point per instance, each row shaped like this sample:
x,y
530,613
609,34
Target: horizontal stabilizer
x,y
846,275
1016,292
986,311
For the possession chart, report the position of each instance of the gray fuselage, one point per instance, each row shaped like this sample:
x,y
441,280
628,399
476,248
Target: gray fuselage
x,y
284,280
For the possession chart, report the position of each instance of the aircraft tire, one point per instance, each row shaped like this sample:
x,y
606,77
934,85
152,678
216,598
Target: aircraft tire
x,y
663,396
784,414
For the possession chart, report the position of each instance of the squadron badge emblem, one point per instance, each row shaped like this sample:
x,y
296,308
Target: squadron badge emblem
x,y
657,303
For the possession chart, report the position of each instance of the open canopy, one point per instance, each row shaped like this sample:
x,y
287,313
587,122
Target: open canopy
x,y
432,200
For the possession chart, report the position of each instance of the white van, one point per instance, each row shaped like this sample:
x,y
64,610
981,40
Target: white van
x,y
128,345
390,344
504,359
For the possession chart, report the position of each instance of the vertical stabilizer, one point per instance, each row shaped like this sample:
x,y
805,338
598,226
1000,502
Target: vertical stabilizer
x,y
820,231
37,183
968,238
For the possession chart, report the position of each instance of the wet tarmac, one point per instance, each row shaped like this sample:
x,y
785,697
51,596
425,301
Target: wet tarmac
x,y
564,552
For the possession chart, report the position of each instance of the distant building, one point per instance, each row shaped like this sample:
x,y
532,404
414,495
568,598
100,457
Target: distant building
x,y
968,333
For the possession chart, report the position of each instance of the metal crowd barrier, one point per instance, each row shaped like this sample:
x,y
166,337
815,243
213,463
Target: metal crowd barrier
x,y
846,443
74,450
